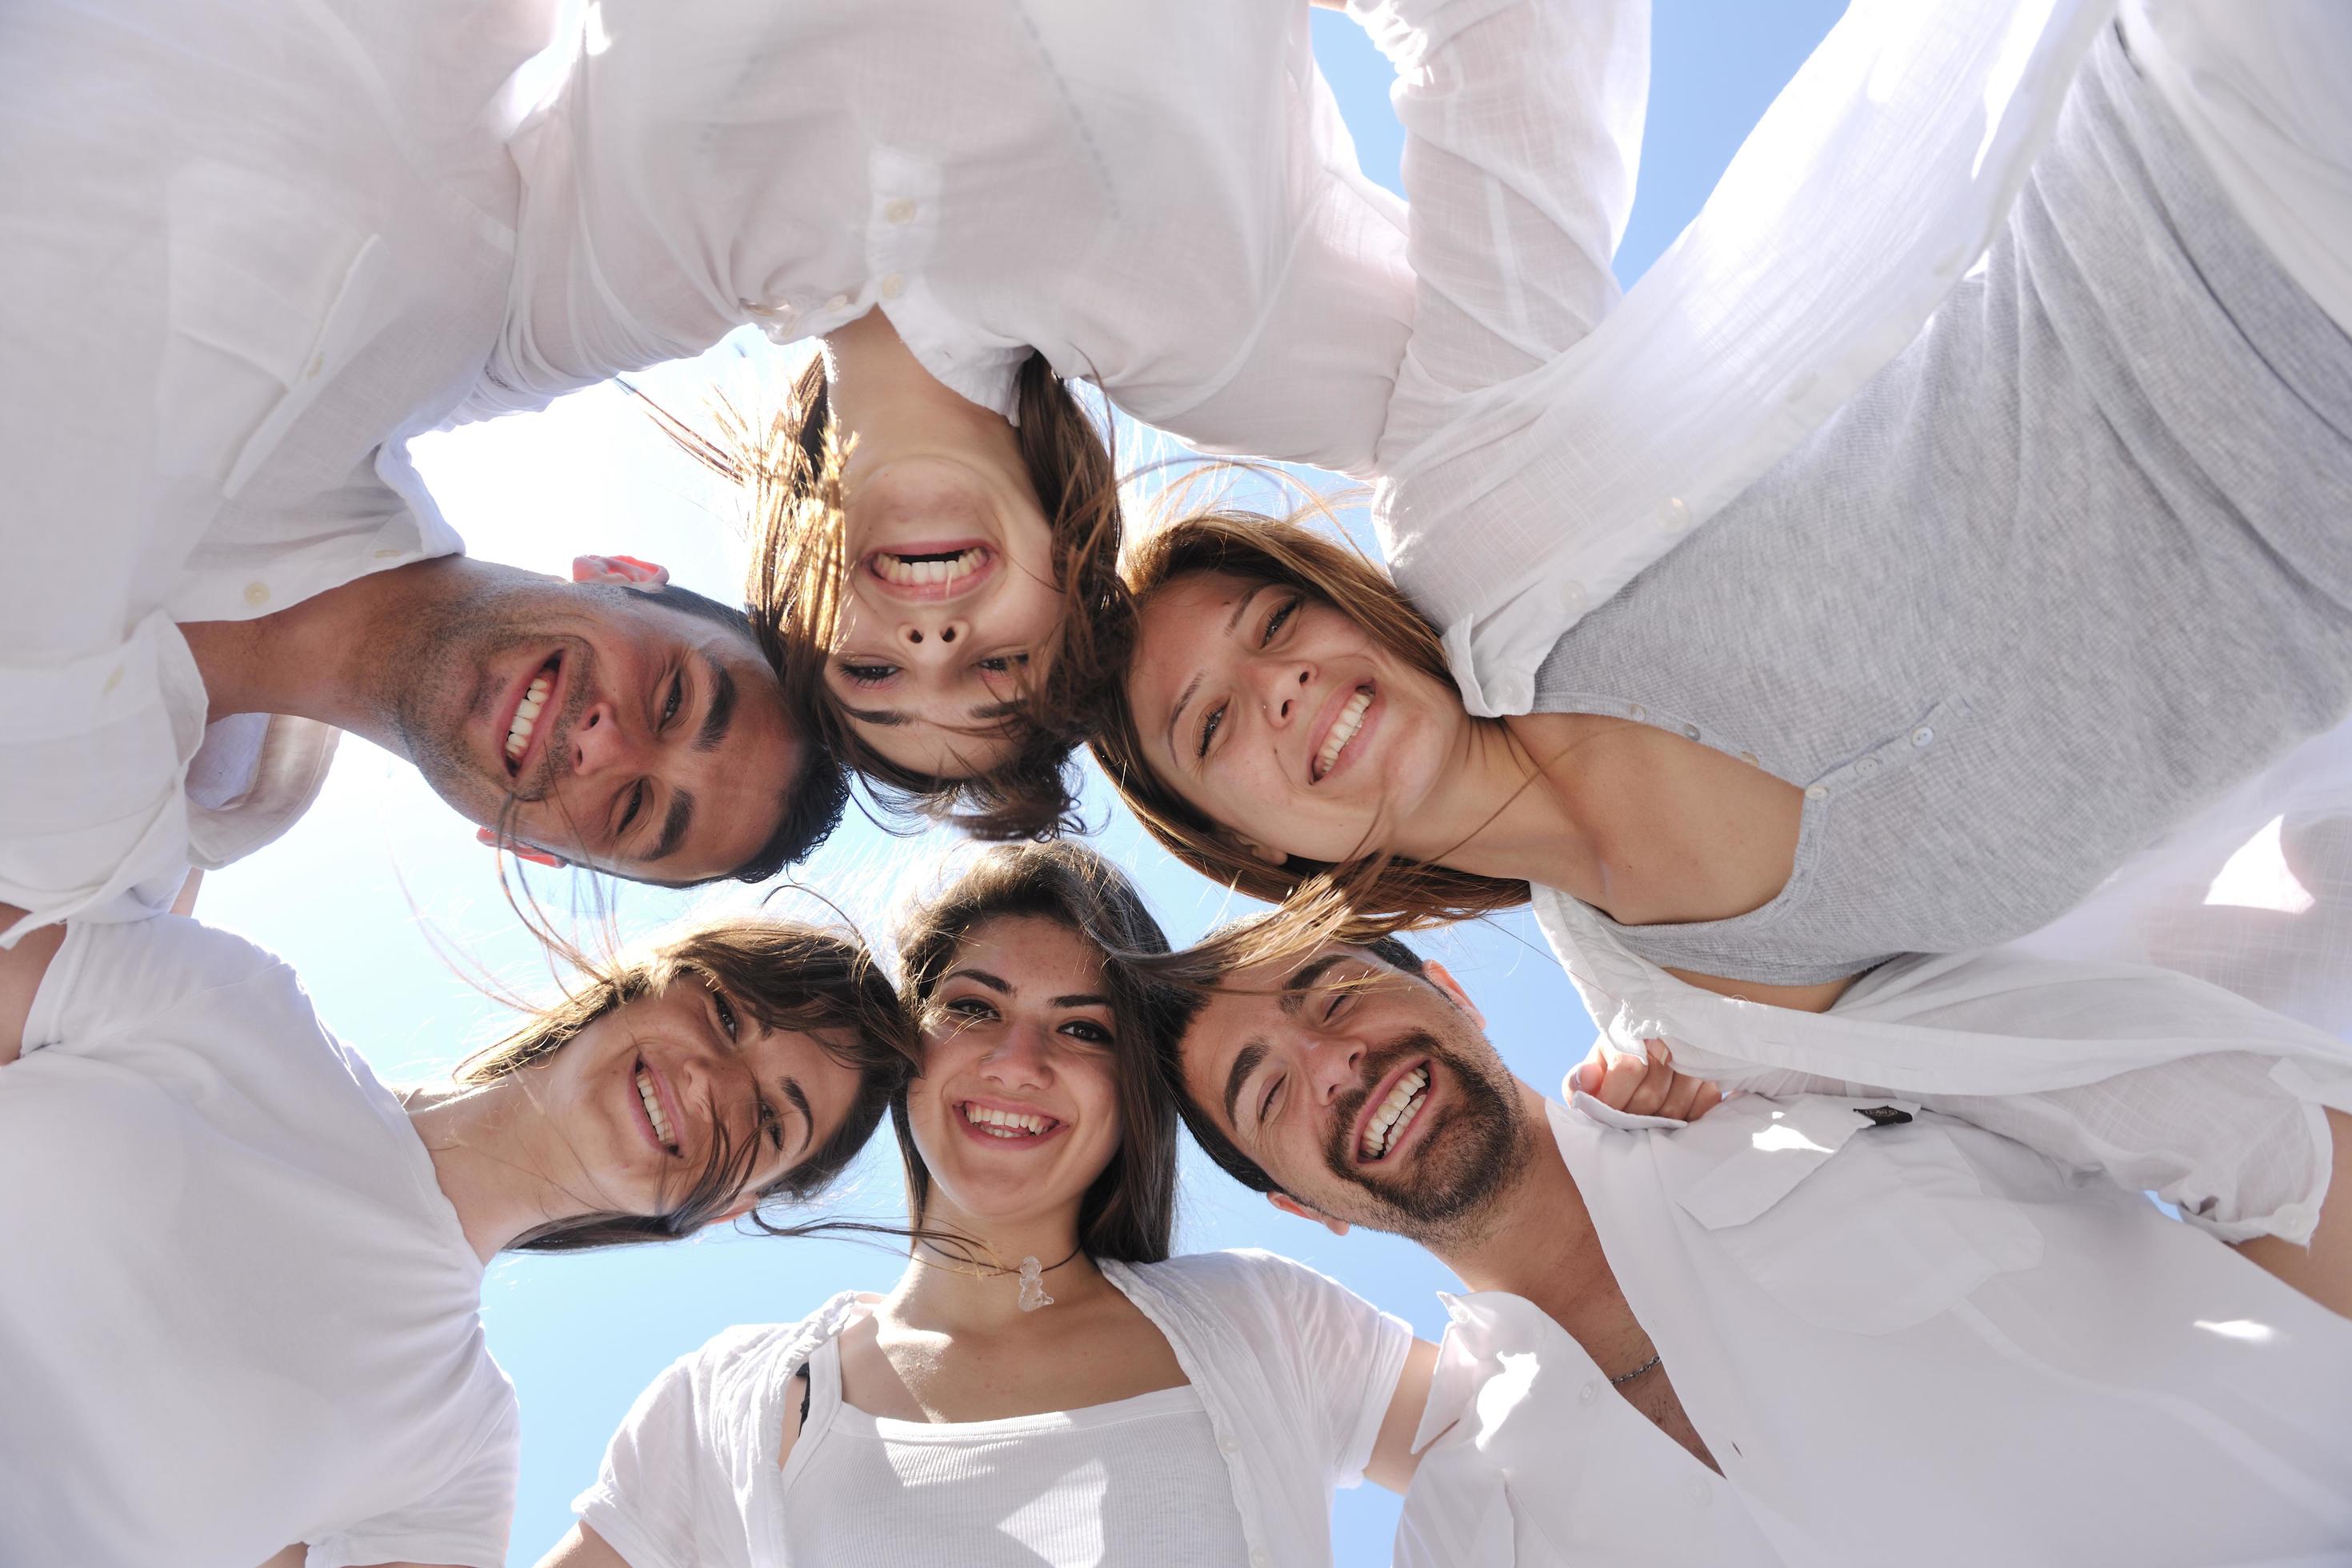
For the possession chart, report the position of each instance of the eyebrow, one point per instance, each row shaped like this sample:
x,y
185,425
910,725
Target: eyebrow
x,y
793,1091
674,826
890,717
1178,711
722,711
1002,987
1244,1063
1295,989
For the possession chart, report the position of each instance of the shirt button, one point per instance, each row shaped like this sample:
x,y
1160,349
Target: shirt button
x,y
1258,1559
900,211
1571,596
1588,1393
257,593
114,679
1225,1444
838,302
1675,516
1922,736
387,554
1690,731
318,363
1749,758
1867,766
1819,792
893,286
1637,711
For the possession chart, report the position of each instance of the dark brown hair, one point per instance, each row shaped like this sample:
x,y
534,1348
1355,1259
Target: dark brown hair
x,y
1129,1212
1355,901
792,468
784,973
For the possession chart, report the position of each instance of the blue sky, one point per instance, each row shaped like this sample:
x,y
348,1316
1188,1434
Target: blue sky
x,y
370,895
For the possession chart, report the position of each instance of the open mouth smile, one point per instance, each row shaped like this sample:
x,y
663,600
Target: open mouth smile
x,y
655,1114
1344,726
1387,1121
1007,1125
931,573
530,702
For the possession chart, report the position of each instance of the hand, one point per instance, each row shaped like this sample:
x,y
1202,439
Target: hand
x,y
1646,1085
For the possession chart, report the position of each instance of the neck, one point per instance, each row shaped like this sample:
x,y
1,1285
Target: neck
x,y
944,1290
1539,1243
889,405
483,1162
323,658
1505,806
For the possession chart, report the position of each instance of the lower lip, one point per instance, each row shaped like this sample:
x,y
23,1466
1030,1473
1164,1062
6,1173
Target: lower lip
x,y
931,593
637,1107
990,1140
1357,743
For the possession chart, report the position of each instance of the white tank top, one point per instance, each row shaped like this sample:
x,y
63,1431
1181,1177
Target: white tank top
x,y
1137,1483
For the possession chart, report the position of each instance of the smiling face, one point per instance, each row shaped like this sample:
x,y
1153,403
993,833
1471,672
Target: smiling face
x,y
597,723
1281,720
1016,1112
1368,1094
643,1100
951,610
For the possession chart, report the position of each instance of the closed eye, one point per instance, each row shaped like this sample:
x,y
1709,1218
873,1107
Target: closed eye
x,y
772,1125
1265,1106
637,805
674,701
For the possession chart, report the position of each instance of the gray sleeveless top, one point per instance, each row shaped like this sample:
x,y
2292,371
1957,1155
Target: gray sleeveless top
x,y
2077,561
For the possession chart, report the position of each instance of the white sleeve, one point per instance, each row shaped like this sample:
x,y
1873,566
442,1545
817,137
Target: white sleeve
x,y
465,1524
1523,129
1346,1353
107,980
645,1502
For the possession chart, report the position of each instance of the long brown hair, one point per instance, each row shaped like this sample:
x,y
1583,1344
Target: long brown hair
x,y
1354,900
799,567
1129,1211
787,974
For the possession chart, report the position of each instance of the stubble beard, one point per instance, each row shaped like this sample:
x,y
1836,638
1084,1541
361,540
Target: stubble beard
x,y
1466,1162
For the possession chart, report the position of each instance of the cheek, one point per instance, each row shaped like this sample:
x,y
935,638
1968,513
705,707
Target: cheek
x,y
1027,610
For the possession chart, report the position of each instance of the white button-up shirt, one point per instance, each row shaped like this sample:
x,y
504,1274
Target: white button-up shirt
x,y
251,247
1915,1343
1161,199
1578,451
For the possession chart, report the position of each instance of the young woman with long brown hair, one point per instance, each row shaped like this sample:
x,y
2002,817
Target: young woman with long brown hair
x,y
221,1222
1047,1382
975,208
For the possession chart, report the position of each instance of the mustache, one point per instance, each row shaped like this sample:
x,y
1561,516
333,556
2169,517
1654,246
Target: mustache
x,y
1337,1152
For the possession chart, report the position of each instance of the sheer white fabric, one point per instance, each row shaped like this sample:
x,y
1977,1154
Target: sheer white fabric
x,y
1535,461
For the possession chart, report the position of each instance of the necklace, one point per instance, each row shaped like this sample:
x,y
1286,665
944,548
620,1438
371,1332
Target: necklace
x,y
1033,1276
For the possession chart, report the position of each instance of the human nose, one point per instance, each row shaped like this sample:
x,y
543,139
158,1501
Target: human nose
x,y
1333,1067
599,740
1282,690
1017,1057
930,638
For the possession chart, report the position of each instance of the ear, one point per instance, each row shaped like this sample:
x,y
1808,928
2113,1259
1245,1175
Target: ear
x,y
1291,1206
1442,978
1256,852
733,1211
519,851
627,570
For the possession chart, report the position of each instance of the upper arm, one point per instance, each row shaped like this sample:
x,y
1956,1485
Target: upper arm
x,y
1393,1460
1802,998
21,969
583,1548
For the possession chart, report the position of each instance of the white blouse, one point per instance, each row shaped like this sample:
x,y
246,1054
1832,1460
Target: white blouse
x,y
1160,199
1295,1373
1915,1343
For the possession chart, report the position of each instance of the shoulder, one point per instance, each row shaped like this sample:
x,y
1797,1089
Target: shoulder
x,y
1240,1279
108,978
737,1362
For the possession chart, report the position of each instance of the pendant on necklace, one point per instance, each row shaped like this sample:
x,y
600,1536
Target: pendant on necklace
x,y
1032,1286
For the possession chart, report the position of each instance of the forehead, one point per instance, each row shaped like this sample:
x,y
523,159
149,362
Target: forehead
x,y
1186,614
1031,953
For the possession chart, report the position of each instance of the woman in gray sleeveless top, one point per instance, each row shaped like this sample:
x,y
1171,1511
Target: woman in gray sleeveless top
x,y
2070,565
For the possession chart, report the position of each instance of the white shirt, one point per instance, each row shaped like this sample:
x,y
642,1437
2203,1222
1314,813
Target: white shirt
x,y
238,1310
252,247
1536,458
1296,1374
1162,199
1134,1483
1918,1343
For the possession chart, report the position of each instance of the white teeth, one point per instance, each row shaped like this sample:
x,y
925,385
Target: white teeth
x,y
895,569
1395,1113
653,1113
1343,730
527,715
1005,1123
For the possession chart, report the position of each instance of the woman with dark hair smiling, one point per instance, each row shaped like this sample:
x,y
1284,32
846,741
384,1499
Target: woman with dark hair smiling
x,y
1047,1383
242,1306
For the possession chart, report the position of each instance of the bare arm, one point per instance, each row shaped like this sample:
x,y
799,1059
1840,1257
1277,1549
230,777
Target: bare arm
x,y
583,1548
21,968
1393,1460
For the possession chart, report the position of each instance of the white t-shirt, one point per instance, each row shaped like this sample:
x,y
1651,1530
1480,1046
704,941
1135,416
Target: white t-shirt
x,y
237,1311
1294,1372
